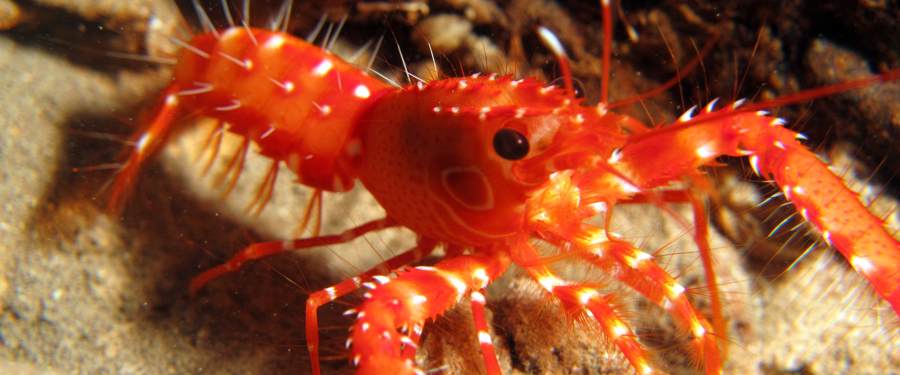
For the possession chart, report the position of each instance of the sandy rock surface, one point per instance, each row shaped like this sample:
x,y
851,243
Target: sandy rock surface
x,y
85,292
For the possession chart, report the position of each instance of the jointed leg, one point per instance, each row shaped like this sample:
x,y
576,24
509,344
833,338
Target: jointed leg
x,y
410,299
701,238
582,297
265,249
638,270
484,336
146,142
342,288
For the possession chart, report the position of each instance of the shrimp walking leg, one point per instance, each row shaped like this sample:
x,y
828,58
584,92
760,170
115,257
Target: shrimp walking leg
x,y
701,238
644,275
578,297
488,352
265,249
326,295
414,296
146,143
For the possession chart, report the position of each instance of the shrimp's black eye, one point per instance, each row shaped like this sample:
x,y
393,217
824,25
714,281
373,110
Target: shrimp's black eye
x,y
510,144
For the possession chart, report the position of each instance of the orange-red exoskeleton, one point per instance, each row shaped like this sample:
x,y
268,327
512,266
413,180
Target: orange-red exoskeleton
x,y
483,164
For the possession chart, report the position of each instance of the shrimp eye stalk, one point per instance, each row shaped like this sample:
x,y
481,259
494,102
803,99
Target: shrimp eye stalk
x,y
510,144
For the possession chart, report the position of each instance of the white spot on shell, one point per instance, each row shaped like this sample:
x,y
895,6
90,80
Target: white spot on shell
x,y
549,282
323,68
687,115
418,299
711,105
706,151
478,298
586,295
599,207
862,264
615,157
484,338
143,141
481,275
275,42
699,331
458,284
754,162
362,92
407,341
628,187
675,290
619,330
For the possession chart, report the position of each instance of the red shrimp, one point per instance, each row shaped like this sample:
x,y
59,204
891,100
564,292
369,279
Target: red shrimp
x,y
483,164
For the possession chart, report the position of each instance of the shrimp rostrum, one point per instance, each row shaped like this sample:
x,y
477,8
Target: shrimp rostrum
x,y
482,166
